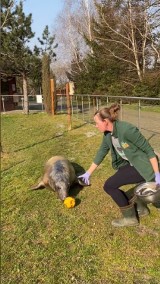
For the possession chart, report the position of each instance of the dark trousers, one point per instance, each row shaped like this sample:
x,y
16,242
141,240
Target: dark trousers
x,y
125,175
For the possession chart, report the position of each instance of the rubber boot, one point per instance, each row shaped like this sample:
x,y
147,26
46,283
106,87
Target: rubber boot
x,y
141,207
129,217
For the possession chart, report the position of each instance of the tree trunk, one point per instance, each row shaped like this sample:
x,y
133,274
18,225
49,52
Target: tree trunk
x,y
25,95
46,83
134,43
53,95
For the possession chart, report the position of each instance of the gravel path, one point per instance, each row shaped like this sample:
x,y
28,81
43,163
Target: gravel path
x,y
149,125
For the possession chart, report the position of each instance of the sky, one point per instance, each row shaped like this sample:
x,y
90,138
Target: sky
x,y
44,12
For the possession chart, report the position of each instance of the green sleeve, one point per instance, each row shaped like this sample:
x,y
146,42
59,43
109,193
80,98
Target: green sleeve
x,y
102,152
136,138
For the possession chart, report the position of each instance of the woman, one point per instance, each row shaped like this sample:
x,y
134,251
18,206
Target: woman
x,y
132,157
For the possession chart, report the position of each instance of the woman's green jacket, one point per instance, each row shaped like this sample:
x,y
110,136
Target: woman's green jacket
x,y
135,146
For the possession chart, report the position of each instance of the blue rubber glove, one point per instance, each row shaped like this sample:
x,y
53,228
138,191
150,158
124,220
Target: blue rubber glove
x,y
157,178
85,178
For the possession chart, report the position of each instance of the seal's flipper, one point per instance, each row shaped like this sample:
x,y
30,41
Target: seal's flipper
x,y
40,185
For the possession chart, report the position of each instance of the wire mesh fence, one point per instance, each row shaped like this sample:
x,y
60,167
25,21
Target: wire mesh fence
x,y
16,103
141,111
132,108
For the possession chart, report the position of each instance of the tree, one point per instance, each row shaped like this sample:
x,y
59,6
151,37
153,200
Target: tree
x,y
48,55
46,82
16,32
35,75
131,32
72,23
6,8
125,48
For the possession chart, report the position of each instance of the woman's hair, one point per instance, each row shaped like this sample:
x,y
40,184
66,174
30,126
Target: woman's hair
x,y
111,112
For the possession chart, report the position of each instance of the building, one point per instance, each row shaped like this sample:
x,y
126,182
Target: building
x,y
9,98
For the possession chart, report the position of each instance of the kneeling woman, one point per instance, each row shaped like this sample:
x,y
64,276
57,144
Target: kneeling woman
x,y
133,158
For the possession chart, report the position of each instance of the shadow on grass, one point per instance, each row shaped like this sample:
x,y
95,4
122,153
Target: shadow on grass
x,y
48,139
79,170
37,143
79,126
76,188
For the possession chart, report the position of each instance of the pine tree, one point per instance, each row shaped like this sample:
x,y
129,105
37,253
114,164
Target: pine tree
x,y
16,32
46,82
48,54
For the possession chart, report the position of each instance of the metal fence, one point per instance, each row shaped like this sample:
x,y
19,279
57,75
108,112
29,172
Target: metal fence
x,y
142,112
138,110
84,106
16,103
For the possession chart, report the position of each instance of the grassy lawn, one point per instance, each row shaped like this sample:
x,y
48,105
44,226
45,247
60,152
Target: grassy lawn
x,y
44,242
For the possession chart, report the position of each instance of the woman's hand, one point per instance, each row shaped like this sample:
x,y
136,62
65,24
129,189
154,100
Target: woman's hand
x,y
85,178
157,178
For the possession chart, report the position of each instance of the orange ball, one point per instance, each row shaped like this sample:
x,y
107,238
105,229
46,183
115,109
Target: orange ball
x,y
69,202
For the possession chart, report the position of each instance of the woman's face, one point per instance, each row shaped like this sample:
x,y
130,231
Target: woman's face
x,y
102,125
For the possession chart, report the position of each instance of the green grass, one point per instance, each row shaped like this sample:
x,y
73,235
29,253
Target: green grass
x,y
44,242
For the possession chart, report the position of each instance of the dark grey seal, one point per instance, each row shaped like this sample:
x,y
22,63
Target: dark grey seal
x,y
59,175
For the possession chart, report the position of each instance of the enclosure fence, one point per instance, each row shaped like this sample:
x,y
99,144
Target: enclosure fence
x,y
84,106
141,111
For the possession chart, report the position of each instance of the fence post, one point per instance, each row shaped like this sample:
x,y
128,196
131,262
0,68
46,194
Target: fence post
x,y
42,103
77,105
94,104
22,99
97,103
72,105
3,105
52,96
121,109
89,107
68,106
82,106
61,102
107,101
139,114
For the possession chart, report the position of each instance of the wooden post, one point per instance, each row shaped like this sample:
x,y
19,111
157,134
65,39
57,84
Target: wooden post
x,y
68,106
94,104
52,96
